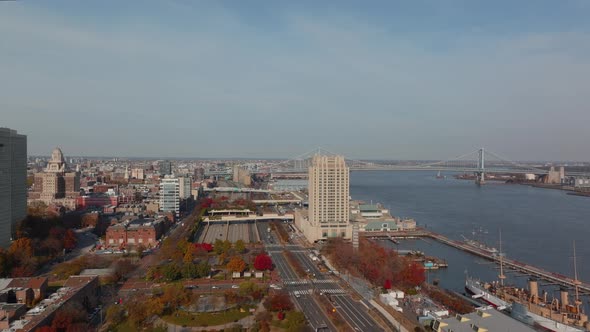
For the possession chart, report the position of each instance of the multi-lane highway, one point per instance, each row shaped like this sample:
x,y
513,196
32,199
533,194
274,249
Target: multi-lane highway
x,y
317,283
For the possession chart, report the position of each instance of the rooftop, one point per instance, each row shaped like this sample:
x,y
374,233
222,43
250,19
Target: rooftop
x,y
484,319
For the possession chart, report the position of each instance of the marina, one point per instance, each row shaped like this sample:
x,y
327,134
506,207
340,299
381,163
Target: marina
x,y
552,277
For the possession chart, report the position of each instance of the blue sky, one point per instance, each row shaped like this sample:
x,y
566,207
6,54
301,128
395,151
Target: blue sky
x,y
393,79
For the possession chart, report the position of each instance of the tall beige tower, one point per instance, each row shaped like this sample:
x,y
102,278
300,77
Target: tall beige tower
x,y
329,205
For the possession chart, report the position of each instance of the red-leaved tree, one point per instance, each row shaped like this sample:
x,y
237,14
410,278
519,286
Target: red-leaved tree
x,y
387,284
208,247
279,302
263,262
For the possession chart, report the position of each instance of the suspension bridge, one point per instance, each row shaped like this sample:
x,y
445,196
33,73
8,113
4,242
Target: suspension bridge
x,y
478,162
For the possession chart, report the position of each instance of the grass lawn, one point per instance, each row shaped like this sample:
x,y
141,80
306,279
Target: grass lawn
x,y
184,318
126,327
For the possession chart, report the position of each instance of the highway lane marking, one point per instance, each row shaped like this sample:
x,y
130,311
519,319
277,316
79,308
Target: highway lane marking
x,y
350,305
351,319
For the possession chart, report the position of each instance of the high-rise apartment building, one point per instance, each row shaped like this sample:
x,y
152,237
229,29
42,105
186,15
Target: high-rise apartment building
x,y
13,182
185,186
329,200
170,195
165,167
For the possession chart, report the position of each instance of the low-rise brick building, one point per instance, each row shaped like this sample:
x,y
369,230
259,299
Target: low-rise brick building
x,y
146,232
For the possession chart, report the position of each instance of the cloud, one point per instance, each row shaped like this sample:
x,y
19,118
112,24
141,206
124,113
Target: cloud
x,y
209,82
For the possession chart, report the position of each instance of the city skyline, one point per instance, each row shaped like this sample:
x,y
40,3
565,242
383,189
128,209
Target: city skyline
x,y
400,81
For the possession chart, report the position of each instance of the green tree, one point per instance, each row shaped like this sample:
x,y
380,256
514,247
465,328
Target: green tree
x,y
218,246
240,246
295,321
189,271
247,288
203,269
172,272
226,246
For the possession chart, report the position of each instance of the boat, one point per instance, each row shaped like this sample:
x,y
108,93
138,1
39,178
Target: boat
x,y
480,246
558,315
527,307
480,290
439,176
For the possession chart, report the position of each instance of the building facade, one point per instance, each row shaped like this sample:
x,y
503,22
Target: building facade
x,y
329,199
13,182
170,195
185,187
165,167
138,173
144,232
57,185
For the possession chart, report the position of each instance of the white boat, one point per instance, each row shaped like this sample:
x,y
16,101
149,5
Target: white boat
x,y
479,291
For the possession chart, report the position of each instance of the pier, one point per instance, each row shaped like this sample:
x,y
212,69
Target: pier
x,y
524,268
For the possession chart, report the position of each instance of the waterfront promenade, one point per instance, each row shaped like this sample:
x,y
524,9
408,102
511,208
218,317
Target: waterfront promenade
x,y
508,263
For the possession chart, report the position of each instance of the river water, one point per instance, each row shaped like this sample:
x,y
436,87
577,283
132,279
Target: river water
x,y
538,225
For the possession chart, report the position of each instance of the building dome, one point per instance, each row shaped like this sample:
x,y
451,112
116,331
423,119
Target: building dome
x,y
57,155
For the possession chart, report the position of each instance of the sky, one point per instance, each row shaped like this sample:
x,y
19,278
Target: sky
x,y
367,79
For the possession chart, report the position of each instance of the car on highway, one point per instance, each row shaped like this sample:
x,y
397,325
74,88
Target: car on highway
x,y
235,286
214,287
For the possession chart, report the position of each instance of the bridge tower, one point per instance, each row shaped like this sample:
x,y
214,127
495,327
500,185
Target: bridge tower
x,y
480,176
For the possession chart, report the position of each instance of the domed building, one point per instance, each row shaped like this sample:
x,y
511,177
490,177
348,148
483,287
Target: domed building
x,y
58,184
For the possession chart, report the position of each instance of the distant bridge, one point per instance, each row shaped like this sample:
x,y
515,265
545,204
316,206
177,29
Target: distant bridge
x,y
478,162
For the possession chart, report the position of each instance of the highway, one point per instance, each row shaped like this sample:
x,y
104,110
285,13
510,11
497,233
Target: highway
x,y
355,313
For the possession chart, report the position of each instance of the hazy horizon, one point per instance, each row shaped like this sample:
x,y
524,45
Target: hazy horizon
x,y
388,80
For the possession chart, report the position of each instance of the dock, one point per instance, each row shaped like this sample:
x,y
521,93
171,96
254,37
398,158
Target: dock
x,y
524,268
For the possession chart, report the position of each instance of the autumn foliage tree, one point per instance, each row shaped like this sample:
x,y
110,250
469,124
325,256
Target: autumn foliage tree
x,y
279,301
387,284
263,262
236,264
69,240
379,265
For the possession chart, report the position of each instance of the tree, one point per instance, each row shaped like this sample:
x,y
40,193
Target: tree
x,y
240,246
247,288
174,296
22,247
188,256
295,321
218,246
414,274
189,271
236,264
172,271
52,246
69,240
3,263
279,302
45,329
207,246
203,269
115,314
123,268
387,284
263,262
226,246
